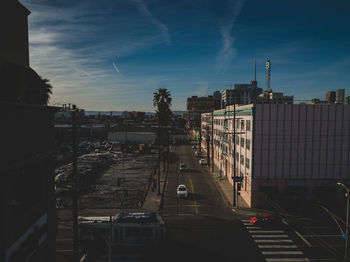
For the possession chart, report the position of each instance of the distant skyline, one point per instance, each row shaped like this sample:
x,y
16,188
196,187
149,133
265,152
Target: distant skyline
x,y
113,54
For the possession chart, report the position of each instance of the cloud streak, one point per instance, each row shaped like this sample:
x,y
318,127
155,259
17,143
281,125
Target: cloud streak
x,y
162,27
116,68
228,52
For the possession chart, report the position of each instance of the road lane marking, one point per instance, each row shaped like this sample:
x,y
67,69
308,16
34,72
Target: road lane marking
x,y
253,227
273,240
245,220
269,236
321,235
265,231
282,252
286,259
298,234
194,199
63,239
303,238
278,246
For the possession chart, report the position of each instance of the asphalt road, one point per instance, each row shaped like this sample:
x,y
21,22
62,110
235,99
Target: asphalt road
x,y
202,227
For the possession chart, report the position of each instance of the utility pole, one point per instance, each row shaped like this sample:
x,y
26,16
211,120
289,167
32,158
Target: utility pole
x,y
212,139
234,156
158,179
347,220
75,185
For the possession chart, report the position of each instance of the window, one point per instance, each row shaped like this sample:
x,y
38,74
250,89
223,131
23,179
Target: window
x,y
237,156
237,140
248,125
242,124
237,123
247,144
242,141
242,160
247,163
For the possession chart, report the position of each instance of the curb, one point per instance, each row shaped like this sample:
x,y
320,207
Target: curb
x,y
223,195
164,186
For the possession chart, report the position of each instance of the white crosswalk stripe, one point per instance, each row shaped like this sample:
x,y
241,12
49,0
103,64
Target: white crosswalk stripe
x,y
275,244
273,240
269,236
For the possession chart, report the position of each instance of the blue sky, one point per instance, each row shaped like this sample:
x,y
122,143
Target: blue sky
x,y
113,54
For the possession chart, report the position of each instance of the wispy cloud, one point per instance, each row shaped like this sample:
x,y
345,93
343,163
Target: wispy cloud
x,y
116,68
162,27
228,52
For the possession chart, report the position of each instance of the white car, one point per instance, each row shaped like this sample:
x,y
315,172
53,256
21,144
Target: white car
x,y
181,191
183,167
202,161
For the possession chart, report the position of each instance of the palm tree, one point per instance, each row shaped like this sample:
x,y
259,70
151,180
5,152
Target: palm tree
x,y
162,101
45,91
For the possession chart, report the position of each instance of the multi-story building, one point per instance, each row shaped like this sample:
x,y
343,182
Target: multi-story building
x,y
27,201
195,107
241,94
347,100
340,95
331,97
286,150
270,97
217,95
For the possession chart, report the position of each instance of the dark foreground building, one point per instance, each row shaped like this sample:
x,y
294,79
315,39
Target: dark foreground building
x,y
27,201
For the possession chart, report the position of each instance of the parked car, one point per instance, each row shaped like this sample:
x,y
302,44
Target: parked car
x,y
202,161
183,167
264,220
181,191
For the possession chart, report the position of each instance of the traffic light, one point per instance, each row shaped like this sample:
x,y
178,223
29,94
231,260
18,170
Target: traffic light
x,y
238,186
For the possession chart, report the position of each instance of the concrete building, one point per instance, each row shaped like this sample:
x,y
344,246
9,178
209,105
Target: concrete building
x,y
217,95
270,97
340,95
27,201
330,97
347,100
283,150
241,94
195,107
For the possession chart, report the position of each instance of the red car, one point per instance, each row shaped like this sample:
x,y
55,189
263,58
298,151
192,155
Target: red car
x,y
265,219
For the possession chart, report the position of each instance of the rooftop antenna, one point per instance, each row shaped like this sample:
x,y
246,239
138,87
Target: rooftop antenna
x,y
255,70
268,75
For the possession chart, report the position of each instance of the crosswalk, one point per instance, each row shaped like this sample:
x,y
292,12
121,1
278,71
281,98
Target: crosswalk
x,y
275,245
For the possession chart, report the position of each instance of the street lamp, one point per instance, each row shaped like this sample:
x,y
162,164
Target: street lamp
x,y
347,219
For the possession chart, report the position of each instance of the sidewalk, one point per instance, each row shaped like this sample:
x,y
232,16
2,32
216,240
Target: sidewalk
x,y
153,202
226,190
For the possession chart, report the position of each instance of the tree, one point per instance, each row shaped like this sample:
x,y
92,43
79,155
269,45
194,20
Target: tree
x,y
162,101
45,91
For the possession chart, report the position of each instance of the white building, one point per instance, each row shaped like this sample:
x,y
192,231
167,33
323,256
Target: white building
x,y
282,148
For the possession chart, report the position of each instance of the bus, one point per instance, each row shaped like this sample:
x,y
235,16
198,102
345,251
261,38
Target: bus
x,y
124,230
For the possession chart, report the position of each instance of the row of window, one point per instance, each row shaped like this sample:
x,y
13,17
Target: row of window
x,y
240,123
242,141
242,160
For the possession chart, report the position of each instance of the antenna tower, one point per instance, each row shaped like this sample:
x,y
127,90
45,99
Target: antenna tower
x,y
268,75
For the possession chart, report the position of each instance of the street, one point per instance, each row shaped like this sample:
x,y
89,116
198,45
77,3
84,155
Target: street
x,y
203,227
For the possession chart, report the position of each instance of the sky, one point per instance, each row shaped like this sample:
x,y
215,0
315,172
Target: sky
x,y
114,54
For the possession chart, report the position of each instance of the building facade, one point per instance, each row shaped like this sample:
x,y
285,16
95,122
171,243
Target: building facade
x,y
270,97
331,97
340,95
27,198
195,107
242,94
281,149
